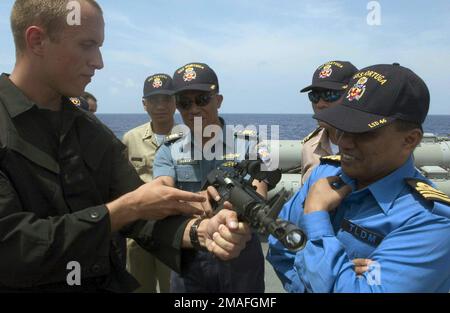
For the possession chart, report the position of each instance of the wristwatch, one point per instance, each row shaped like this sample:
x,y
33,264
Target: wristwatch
x,y
193,234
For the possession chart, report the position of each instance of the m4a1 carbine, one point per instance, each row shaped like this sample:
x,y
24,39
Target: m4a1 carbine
x,y
233,181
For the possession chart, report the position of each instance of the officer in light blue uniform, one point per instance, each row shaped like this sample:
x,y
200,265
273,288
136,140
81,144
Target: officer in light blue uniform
x,y
369,205
176,157
181,162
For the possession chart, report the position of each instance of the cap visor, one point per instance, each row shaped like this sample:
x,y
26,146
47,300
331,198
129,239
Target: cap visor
x,y
325,85
159,92
199,87
351,120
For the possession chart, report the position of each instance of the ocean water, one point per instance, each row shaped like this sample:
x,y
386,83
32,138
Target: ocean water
x,y
291,126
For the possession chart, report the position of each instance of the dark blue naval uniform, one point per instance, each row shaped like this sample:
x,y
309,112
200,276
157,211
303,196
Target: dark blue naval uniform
x,y
201,271
400,222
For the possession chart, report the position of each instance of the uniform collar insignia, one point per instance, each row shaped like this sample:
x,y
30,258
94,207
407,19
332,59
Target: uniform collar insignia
x,y
148,131
311,135
173,137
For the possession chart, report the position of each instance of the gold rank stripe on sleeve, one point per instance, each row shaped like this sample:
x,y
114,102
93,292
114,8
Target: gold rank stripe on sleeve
x,y
331,158
424,187
428,192
436,197
312,134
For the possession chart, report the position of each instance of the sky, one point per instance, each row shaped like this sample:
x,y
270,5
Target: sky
x,y
263,51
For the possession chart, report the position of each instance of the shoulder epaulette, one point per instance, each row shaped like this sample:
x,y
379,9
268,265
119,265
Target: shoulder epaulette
x,y
331,159
315,132
75,101
231,156
426,191
173,137
246,133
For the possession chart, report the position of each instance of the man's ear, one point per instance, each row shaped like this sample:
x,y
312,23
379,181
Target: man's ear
x,y
144,103
219,101
35,39
412,138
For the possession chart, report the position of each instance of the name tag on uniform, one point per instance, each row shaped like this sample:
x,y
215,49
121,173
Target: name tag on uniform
x,y
362,233
136,159
187,162
229,164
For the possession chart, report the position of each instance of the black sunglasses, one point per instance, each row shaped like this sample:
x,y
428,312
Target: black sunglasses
x,y
326,95
201,100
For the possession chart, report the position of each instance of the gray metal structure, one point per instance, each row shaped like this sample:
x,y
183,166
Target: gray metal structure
x,y
432,158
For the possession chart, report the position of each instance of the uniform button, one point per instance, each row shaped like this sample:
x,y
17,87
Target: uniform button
x,y
94,215
96,268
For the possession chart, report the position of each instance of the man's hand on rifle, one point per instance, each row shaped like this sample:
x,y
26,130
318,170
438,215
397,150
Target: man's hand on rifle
x,y
212,195
223,235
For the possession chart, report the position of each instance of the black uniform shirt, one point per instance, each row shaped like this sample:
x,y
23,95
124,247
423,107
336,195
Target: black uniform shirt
x,y
53,190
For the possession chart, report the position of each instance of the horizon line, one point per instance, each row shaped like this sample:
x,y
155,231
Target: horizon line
x,y
177,113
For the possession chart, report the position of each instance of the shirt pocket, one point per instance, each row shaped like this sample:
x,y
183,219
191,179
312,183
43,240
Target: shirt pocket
x,y
188,177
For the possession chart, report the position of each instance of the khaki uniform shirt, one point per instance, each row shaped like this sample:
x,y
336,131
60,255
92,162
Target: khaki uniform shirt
x,y
142,146
315,146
